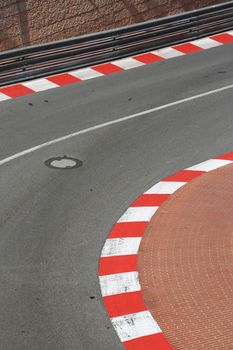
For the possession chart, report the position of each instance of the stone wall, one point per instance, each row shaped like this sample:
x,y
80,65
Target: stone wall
x,y
27,22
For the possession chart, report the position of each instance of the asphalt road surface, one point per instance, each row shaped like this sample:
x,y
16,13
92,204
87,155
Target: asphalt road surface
x,y
54,222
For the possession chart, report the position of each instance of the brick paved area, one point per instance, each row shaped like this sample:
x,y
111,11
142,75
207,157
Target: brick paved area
x,y
186,264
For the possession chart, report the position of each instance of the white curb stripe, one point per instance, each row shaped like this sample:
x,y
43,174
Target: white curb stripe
x,y
40,84
168,52
119,283
4,97
134,326
128,63
206,43
210,164
86,73
138,214
121,246
165,187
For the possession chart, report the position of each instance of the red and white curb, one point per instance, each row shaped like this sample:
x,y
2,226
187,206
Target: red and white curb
x,y
79,75
118,275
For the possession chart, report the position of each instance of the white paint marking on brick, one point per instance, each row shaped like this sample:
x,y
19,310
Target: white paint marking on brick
x,y
168,52
139,214
86,73
206,43
119,283
128,63
4,97
40,84
165,187
121,246
230,32
134,326
210,164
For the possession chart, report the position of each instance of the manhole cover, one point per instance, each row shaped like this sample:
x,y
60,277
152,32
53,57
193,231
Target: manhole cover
x,y
63,162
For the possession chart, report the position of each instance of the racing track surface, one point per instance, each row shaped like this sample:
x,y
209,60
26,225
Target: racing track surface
x,y
54,222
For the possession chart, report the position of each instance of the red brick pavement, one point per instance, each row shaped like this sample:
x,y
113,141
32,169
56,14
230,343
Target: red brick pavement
x,y
186,264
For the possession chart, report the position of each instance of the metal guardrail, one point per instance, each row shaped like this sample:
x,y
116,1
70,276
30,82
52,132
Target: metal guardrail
x,y
60,56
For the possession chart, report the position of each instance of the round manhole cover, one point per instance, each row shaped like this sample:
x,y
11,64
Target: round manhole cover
x,y
63,162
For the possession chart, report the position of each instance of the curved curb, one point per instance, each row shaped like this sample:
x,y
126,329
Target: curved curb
x,y
83,74
118,275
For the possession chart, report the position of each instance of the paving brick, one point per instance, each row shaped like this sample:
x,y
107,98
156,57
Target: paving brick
x,y
186,264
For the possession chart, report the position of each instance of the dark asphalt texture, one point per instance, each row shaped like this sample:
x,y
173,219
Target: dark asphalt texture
x,y
53,223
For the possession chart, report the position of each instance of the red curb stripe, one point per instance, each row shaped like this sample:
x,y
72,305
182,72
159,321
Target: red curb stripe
x,y
16,90
117,264
149,342
187,48
124,304
150,200
147,58
184,175
224,38
128,229
107,68
227,156
63,79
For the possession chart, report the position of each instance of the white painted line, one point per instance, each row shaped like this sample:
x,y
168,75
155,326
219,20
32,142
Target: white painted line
x,y
138,214
168,52
165,187
128,63
40,84
121,246
86,73
113,122
206,43
230,32
134,326
210,164
4,97
119,283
